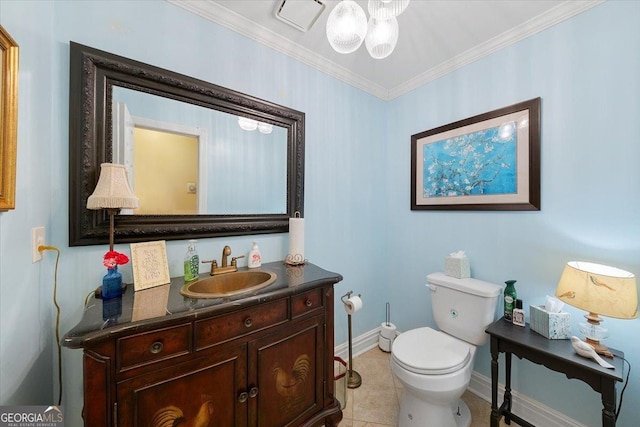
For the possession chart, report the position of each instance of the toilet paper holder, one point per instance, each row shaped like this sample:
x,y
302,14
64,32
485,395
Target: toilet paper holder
x,y
354,380
387,332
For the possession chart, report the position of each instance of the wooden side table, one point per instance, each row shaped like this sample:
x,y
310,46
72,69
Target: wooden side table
x,y
557,355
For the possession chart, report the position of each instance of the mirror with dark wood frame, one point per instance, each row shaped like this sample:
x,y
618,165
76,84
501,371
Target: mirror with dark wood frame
x,y
96,76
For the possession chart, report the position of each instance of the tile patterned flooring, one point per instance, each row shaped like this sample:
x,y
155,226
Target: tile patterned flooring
x,y
376,402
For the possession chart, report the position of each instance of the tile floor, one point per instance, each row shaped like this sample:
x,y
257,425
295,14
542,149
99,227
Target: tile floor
x,y
375,402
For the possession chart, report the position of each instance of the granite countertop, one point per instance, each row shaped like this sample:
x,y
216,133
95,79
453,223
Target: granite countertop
x,y
146,309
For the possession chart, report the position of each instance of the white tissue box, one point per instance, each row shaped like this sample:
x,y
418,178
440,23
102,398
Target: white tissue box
x,y
555,326
457,267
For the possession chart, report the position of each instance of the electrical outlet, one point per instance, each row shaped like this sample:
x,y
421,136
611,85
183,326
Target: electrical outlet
x,y
37,239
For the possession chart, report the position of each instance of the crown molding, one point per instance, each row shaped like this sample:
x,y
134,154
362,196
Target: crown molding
x,y
239,24
562,12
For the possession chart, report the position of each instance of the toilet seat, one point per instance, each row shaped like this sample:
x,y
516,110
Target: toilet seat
x,y
429,352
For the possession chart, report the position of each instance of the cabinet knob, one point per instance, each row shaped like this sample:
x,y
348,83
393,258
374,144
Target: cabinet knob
x,y
156,347
244,396
308,303
248,322
253,392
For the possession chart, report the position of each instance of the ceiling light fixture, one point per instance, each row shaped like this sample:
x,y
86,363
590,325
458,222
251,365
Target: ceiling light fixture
x,y
385,9
247,124
265,128
347,26
251,125
382,37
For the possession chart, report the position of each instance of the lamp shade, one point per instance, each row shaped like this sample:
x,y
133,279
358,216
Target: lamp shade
x,y
247,124
265,128
385,9
346,27
599,289
382,37
112,190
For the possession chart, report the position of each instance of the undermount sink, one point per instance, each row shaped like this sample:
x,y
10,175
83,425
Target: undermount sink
x,y
228,284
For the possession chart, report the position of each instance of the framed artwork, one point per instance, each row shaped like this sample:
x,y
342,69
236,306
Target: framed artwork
x,y
8,119
486,162
149,263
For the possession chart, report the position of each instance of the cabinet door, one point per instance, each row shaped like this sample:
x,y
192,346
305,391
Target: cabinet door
x,y
202,392
288,375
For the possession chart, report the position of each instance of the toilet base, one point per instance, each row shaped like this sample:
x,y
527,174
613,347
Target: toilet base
x,y
417,413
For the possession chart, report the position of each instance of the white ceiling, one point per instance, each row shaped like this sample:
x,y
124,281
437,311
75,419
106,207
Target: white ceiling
x,y
436,36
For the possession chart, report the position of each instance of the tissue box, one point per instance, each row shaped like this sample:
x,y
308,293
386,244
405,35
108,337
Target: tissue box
x,y
457,267
551,325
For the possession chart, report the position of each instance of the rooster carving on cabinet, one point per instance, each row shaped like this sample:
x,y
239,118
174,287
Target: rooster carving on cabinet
x,y
290,384
172,416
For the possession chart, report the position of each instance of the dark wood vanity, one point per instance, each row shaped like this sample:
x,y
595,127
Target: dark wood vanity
x,y
155,358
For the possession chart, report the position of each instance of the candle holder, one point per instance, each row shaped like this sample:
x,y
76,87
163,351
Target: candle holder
x,y
296,259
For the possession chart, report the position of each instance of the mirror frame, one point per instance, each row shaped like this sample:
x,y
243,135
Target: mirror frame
x,y
9,52
93,73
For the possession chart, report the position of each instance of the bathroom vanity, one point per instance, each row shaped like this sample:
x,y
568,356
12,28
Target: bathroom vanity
x,y
156,358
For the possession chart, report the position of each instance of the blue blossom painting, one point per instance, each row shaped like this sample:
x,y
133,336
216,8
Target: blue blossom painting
x,y
477,163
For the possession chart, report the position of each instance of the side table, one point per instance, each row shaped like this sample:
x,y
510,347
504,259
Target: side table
x,y
557,355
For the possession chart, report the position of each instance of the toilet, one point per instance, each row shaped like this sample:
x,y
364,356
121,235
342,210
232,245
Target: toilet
x,y
434,366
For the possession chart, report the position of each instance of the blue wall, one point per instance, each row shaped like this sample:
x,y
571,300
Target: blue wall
x,y
358,221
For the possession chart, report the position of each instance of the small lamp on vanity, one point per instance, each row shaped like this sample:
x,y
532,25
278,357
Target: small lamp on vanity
x,y
112,193
599,290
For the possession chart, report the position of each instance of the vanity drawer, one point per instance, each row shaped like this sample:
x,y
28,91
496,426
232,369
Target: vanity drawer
x,y
153,346
306,303
223,328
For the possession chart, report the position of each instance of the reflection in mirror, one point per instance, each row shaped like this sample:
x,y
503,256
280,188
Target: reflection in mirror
x,y
174,168
205,160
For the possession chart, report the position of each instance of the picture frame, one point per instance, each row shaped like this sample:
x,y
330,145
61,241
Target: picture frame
x,y
9,51
487,162
150,265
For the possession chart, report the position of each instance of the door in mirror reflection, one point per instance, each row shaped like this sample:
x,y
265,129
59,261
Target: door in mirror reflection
x,y
166,172
237,171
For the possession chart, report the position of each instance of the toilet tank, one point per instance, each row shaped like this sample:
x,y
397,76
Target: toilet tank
x,y
463,308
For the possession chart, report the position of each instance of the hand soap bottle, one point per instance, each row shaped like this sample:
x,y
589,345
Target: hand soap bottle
x,y
191,262
255,259
510,296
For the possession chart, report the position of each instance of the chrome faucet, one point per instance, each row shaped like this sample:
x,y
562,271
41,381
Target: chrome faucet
x,y
224,267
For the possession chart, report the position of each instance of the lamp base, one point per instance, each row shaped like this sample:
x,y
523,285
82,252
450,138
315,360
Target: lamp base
x,y
600,348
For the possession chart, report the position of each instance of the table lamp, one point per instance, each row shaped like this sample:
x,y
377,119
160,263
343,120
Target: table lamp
x,y
599,290
112,193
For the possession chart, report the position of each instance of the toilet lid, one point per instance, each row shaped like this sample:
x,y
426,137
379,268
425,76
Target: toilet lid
x,y
430,352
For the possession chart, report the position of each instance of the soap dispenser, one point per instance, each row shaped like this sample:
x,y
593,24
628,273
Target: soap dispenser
x,y
255,259
191,262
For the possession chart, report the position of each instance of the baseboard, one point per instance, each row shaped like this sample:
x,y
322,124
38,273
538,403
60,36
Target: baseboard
x,y
526,407
359,345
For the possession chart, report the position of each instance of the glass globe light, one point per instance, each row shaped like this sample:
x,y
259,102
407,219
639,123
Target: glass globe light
x,y
384,9
346,27
382,37
265,128
247,124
